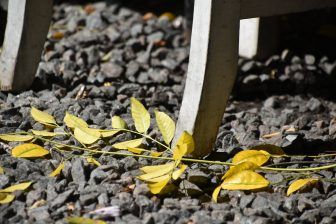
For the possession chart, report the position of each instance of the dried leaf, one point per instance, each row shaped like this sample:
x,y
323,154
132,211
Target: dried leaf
x,y
156,188
17,187
1,170
156,154
29,151
150,169
58,170
47,133
42,117
6,198
118,122
158,179
157,173
179,152
81,220
254,156
299,184
108,133
16,138
215,193
57,35
128,144
167,15
177,173
245,180
271,149
246,165
140,116
74,122
186,139
136,150
86,135
166,126
93,161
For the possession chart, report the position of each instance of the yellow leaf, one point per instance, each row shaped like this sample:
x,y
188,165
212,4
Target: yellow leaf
x,y
16,138
215,193
1,170
157,187
140,116
245,180
17,187
128,144
6,198
177,173
158,179
254,156
74,122
271,149
150,169
180,151
118,122
86,135
186,139
167,15
298,184
246,165
136,150
157,173
166,126
58,170
47,133
29,151
108,133
81,220
156,154
42,117
93,161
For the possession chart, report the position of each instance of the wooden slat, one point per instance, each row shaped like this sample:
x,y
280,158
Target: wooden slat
x,y
28,22
263,8
212,71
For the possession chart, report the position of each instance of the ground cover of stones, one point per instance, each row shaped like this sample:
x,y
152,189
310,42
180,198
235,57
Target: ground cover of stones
x,y
96,59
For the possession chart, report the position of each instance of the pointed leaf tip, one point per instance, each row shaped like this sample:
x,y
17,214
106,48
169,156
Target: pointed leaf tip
x,y
299,184
216,193
58,170
74,122
118,122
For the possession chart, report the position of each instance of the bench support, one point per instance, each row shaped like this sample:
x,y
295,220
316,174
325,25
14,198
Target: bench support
x,y
213,61
27,27
212,70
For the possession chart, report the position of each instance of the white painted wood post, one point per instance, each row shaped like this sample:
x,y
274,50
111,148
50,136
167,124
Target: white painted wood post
x,y
212,70
213,60
249,37
28,23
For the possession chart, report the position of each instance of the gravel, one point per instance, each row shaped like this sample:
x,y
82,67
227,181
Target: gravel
x,y
111,54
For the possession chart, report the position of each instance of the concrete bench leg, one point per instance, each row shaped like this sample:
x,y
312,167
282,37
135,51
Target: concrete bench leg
x,y
28,22
212,70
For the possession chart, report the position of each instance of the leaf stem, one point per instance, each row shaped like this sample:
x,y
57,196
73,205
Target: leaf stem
x,y
192,160
145,136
